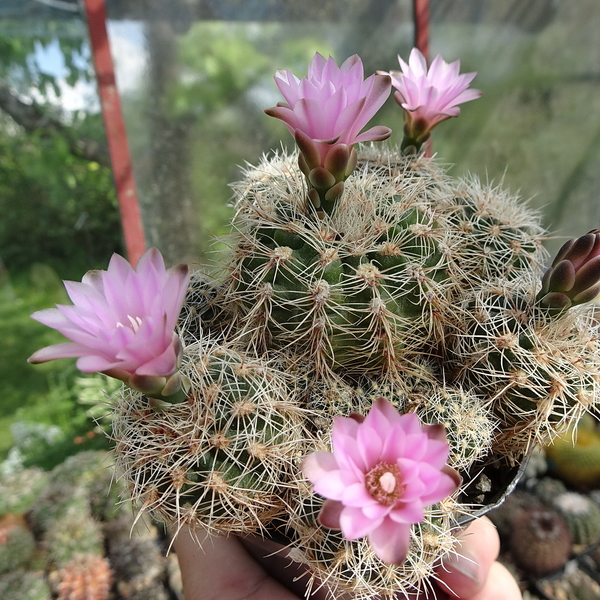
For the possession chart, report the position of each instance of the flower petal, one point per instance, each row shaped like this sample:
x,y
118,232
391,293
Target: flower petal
x,y
390,541
329,516
355,524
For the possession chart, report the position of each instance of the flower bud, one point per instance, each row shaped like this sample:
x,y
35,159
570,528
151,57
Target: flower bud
x,y
574,277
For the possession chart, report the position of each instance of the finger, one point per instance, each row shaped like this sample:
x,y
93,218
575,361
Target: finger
x,y
465,570
219,568
294,576
500,585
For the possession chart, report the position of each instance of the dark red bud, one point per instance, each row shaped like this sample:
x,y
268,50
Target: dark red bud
x,y
581,249
562,277
587,276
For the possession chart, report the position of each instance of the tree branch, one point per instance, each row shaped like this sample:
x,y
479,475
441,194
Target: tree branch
x,y
33,119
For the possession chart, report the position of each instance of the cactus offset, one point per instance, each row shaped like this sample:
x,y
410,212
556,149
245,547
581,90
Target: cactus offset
x,y
226,456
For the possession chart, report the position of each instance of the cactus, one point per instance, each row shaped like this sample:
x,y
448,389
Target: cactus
x,y
136,558
17,544
581,515
19,490
91,473
548,488
573,583
505,515
540,541
348,564
71,535
55,502
353,291
226,455
468,423
24,585
574,456
84,577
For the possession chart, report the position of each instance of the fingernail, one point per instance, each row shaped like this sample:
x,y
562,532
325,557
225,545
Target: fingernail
x,y
464,564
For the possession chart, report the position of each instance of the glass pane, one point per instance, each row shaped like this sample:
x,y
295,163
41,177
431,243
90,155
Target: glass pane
x,y
196,76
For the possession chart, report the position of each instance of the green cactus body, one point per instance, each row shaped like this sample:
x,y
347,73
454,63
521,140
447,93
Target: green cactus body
x,y
72,535
469,424
89,475
418,288
225,456
581,515
353,291
20,490
24,585
55,502
548,488
17,544
203,309
540,371
575,457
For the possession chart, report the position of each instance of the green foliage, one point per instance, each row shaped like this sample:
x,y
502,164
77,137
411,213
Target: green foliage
x,y
56,208
44,394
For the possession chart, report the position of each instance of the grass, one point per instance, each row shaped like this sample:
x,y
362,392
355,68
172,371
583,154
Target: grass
x,y
33,393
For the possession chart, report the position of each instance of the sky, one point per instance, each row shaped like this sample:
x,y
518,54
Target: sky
x,y
129,57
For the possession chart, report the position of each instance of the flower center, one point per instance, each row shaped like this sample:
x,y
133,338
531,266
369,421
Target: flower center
x,y
134,323
384,483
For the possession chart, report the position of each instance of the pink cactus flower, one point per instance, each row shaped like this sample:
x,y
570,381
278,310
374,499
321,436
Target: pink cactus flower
x,y
430,96
333,104
381,475
122,320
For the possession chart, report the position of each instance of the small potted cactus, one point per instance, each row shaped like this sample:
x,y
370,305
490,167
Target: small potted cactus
x,y
375,362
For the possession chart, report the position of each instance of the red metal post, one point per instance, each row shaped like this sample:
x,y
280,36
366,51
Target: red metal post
x,y
116,134
421,16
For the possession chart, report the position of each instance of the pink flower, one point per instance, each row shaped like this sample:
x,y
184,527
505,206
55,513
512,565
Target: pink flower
x,y
333,104
381,474
430,96
122,320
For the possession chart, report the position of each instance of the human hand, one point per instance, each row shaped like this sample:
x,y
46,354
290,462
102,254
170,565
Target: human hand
x,y
219,568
